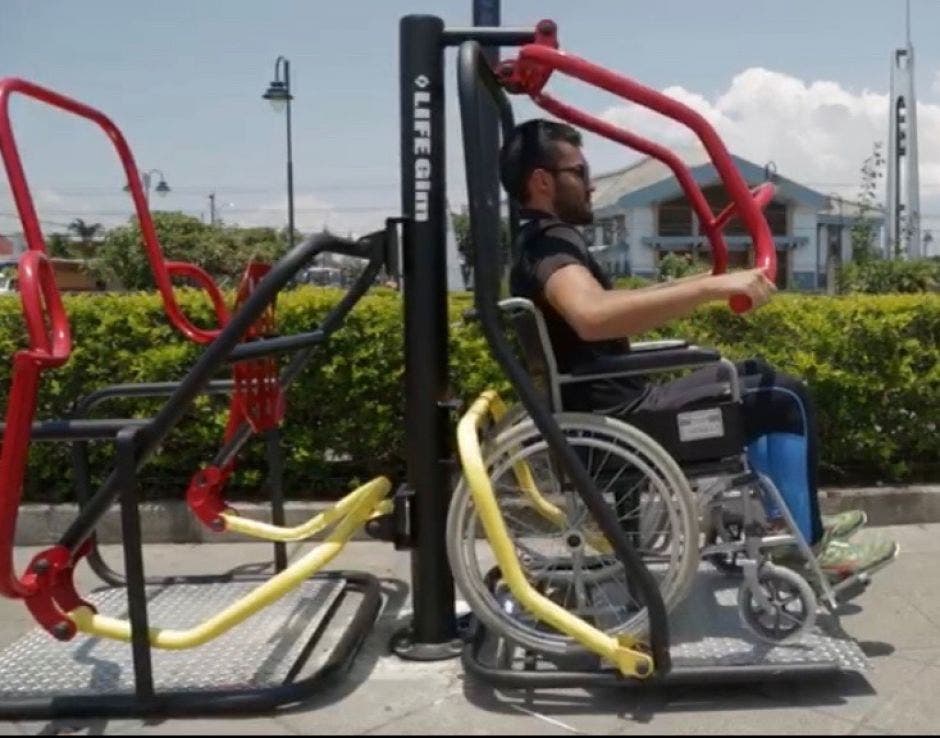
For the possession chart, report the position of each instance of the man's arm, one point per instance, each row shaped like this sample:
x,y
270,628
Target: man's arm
x,y
597,314
680,280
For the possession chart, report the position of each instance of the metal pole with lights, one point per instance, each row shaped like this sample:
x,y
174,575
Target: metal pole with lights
x,y
161,189
278,94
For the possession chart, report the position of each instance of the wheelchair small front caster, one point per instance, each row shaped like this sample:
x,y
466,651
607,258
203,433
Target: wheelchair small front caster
x,y
782,608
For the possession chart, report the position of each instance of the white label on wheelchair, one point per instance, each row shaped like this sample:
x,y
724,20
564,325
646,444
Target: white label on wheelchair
x,y
697,425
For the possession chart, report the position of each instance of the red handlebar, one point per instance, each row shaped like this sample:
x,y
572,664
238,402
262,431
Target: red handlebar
x,y
530,72
38,288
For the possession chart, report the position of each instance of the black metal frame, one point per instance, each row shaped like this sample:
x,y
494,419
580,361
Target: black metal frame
x,y
423,40
137,439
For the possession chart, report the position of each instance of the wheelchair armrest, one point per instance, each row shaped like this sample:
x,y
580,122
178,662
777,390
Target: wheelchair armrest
x,y
647,361
665,343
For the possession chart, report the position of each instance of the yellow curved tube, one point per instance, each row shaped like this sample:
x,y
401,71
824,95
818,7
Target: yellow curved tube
x,y
268,532
366,499
619,651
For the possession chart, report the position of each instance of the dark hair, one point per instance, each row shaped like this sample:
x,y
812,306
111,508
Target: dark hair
x,y
531,145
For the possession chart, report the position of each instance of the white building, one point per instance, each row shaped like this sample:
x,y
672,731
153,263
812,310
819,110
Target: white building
x,y
641,213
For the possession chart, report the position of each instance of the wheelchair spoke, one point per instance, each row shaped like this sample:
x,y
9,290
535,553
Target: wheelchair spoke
x,y
615,478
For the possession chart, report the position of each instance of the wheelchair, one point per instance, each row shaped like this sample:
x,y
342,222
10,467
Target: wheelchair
x,y
679,481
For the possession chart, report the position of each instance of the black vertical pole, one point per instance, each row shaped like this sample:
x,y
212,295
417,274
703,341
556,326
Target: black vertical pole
x,y
433,630
487,13
290,163
274,487
134,564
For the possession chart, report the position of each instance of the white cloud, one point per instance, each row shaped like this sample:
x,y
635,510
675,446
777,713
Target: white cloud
x,y
817,133
936,82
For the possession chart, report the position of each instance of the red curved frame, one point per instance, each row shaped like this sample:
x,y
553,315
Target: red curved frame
x,y
50,345
42,306
162,270
530,72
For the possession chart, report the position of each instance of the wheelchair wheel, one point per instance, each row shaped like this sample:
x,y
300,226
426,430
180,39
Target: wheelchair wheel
x,y
791,604
562,552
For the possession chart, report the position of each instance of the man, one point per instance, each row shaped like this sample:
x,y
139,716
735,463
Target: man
x,y
543,169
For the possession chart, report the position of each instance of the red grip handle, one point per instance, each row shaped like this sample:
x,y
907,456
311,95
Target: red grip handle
x,y
762,195
38,294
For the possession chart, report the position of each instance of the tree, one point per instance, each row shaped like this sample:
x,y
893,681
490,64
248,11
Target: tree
x,y
59,246
86,233
461,223
865,230
222,251
675,266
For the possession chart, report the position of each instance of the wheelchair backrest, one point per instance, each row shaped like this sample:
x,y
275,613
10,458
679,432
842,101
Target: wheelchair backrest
x,y
531,334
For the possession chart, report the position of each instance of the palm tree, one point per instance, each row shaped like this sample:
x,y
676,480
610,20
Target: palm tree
x,y
85,232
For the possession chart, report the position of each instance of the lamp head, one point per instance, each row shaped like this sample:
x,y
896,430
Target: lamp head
x,y
278,95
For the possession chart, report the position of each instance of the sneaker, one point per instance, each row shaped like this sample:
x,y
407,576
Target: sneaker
x,y
843,524
841,559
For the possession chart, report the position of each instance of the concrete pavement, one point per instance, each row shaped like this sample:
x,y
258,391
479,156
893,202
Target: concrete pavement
x,y
896,621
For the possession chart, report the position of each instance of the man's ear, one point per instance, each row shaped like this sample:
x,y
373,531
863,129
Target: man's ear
x,y
540,181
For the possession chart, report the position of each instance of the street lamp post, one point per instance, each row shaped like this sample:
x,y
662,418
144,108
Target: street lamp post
x,y
278,94
161,189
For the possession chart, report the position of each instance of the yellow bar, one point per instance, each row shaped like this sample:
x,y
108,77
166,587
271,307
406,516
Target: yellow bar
x,y
367,497
629,661
268,532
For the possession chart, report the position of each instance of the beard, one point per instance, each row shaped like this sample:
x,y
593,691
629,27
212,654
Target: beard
x,y
575,213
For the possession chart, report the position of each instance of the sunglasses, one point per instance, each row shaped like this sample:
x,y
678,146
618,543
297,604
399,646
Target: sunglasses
x,y
581,171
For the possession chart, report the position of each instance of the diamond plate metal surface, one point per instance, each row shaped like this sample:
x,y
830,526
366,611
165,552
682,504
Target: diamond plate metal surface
x,y
257,653
706,630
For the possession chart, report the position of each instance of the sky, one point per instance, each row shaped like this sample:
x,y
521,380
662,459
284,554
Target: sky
x,y
802,83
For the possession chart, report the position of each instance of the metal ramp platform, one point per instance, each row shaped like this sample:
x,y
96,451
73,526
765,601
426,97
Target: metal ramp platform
x,y
291,650
709,644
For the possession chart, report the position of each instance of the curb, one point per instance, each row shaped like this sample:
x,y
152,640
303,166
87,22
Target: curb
x,y
911,505
171,521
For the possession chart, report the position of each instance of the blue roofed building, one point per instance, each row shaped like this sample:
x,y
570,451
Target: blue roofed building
x,y
641,214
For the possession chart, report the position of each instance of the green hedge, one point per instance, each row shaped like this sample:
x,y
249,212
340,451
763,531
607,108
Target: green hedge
x,y
882,276
872,362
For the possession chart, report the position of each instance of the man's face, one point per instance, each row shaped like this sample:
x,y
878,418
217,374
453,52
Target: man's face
x,y
572,179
